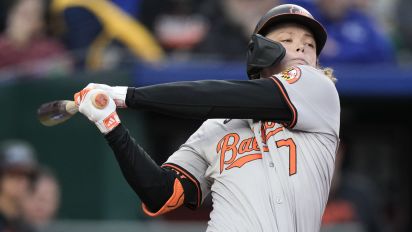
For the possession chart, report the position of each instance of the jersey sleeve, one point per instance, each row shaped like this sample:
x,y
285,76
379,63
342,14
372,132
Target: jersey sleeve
x,y
191,162
312,98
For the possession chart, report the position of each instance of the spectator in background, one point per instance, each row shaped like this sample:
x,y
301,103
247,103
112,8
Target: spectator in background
x,y
231,25
353,36
24,45
17,165
102,35
177,24
207,29
41,204
180,28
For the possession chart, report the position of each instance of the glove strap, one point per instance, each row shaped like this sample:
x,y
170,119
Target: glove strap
x,y
109,123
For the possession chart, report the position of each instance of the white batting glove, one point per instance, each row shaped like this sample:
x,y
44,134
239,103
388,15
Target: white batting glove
x,y
99,108
117,93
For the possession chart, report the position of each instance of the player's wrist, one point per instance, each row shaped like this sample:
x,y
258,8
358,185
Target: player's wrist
x,y
119,96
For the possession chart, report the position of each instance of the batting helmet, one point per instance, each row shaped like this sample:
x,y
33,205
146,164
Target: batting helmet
x,y
259,55
292,13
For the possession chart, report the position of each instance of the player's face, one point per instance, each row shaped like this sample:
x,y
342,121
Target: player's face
x,y
299,43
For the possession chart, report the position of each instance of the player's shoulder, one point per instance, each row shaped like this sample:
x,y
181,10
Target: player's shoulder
x,y
295,73
314,71
308,68
304,75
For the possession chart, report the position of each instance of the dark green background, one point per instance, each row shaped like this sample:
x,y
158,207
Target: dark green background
x,y
91,182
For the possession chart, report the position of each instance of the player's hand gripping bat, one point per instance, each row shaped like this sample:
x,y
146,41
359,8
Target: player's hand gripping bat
x,y
56,112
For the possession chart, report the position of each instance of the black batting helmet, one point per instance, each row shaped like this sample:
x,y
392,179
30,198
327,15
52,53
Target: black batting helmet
x,y
292,13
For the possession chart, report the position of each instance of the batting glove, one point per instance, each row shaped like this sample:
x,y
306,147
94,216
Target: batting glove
x,y
117,93
99,108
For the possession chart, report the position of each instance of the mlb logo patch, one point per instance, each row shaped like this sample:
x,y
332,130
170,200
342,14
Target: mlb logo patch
x,y
111,121
291,75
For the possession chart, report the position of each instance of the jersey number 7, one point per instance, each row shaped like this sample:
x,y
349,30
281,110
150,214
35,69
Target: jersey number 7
x,y
292,153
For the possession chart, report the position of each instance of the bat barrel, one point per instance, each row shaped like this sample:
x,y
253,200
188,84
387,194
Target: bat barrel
x,y
56,112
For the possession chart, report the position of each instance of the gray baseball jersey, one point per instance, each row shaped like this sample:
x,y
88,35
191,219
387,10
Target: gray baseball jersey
x,y
269,176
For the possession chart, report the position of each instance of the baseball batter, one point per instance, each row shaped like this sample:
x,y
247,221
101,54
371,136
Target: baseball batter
x,y
266,154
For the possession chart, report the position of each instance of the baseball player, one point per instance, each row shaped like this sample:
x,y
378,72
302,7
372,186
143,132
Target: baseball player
x,y
266,153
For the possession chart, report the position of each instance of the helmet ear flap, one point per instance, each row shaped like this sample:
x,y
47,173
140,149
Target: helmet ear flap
x,y
262,53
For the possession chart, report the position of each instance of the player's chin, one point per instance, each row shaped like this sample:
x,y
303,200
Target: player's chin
x,y
292,63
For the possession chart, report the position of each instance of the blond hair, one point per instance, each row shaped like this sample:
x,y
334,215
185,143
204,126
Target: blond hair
x,y
329,73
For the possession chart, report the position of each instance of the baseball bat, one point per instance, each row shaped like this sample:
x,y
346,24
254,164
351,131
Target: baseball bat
x,y
57,112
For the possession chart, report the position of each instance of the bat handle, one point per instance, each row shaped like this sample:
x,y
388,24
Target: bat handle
x,y
71,107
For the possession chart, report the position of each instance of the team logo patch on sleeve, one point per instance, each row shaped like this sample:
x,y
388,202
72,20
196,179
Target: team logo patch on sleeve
x,y
291,75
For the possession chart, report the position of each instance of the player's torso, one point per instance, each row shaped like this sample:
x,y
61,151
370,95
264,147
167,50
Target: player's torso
x,y
265,183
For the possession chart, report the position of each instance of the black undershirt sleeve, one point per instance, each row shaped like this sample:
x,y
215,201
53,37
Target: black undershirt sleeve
x,y
252,99
153,184
255,99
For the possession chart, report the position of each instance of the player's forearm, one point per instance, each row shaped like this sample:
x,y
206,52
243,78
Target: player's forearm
x,y
151,183
257,99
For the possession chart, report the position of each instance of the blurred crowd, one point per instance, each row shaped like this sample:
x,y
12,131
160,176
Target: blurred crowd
x,y
49,37
29,191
